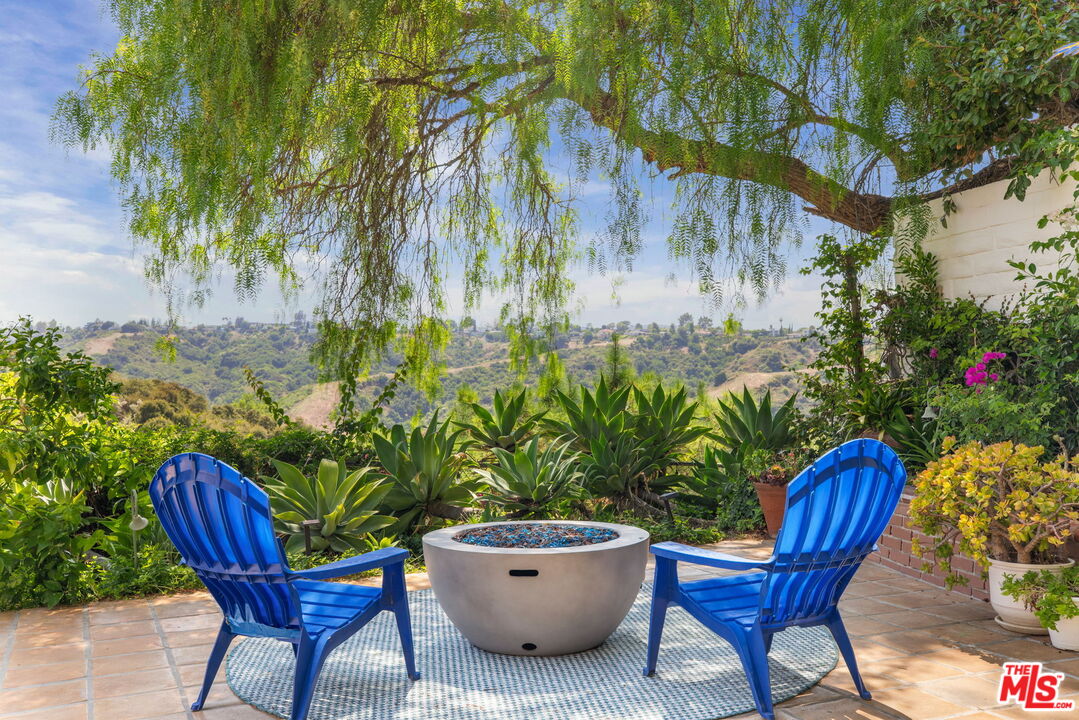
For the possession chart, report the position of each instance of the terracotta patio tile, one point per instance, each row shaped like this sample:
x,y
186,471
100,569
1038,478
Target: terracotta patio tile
x,y
130,662
138,707
917,600
866,605
915,704
35,697
122,604
232,712
203,621
1024,649
969,692
874,679
40,624
37,674
121,646
132,683
918,669
122,615
970,659
874,589
971,634
122,630
867,651
47,637
79,711
911,641
862,626
191,655
189,638
44,656
910,619
192,675
970,610
873,572
843,709
221,695
193,607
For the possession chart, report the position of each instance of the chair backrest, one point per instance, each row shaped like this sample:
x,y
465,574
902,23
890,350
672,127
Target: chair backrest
x,y
221,523
836,510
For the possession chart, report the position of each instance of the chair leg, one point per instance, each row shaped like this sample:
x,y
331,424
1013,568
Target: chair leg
x,y
839,632
393,584
309,658
750,647
221,646
662,585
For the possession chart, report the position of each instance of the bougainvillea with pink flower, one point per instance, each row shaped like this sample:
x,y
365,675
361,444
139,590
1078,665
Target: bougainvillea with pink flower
x,y
979,375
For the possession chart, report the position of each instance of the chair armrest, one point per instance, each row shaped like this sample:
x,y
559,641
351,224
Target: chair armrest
x,y
353,565
700,556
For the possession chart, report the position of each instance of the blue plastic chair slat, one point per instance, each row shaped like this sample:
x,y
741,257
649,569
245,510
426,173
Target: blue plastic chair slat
x,y
222,525
836,510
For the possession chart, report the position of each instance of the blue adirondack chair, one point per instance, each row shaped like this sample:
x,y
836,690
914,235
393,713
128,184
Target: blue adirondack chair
x,y
836,510
221,523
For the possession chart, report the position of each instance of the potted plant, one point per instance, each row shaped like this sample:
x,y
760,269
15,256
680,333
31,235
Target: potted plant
x,y
1054,599
770,474
1002,506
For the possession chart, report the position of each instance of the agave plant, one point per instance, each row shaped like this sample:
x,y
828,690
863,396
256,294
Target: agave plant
x,y
506,427
664,424
616,469
598,415
526,483
744,423
425,467
344,504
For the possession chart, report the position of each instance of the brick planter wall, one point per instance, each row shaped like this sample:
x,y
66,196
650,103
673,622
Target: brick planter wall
x,y
895,552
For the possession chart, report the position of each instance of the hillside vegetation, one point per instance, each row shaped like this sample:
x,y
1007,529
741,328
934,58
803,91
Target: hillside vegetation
x,y
209,361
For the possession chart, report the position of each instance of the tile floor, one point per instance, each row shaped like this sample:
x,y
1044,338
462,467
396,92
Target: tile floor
x,y
924,653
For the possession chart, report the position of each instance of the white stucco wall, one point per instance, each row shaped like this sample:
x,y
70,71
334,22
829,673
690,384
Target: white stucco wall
x,y
985,231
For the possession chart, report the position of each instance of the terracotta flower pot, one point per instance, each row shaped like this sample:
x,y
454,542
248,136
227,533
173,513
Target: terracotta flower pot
x,y
773,499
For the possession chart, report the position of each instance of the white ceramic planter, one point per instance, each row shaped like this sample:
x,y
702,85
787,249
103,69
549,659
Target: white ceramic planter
x,y
1066,636
1013,614
536,601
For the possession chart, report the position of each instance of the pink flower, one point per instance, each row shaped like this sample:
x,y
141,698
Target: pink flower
x,y
994,377
994,356
933,353
980,366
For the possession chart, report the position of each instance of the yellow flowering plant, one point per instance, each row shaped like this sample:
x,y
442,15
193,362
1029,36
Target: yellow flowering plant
x,y
1000,502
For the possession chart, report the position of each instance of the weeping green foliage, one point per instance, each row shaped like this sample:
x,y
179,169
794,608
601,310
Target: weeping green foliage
x,y
344,505
425,467
503,427
371,146
527,483
743,422
390,141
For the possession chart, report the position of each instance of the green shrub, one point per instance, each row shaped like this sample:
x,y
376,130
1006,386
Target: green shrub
x,y
42,545
505,426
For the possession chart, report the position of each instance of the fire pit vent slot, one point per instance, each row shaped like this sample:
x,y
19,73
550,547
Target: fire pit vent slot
x,y
524,573
529,646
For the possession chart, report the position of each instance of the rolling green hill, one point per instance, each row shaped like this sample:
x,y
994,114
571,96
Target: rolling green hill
x,y
209,361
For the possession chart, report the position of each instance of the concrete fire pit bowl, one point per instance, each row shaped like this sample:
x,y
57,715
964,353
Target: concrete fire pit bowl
x,y
536,601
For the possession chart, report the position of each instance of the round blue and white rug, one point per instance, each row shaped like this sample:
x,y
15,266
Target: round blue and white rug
x,y
699,676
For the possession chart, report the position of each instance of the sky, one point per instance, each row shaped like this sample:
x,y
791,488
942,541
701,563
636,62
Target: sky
x,y
66,254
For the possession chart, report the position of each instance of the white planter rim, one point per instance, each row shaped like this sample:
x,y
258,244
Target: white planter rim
x,y
444,538
1007,564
